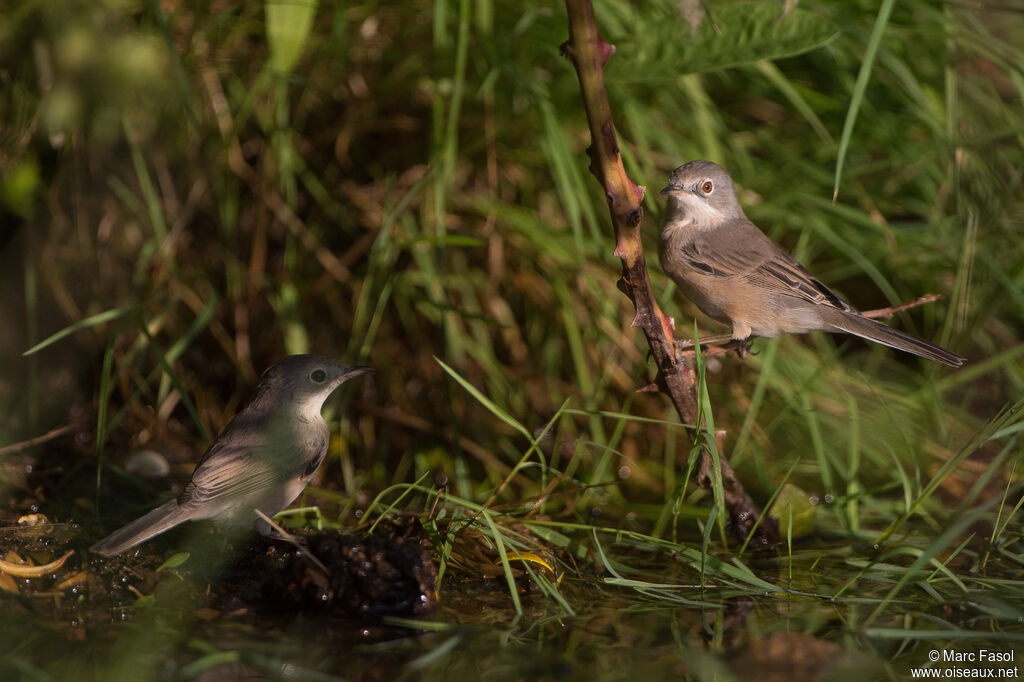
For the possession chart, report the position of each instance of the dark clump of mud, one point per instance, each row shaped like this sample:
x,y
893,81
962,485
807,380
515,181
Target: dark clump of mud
x,y
388,573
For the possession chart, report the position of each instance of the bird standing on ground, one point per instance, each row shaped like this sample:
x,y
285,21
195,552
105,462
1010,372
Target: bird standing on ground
x,y
738,276
263,458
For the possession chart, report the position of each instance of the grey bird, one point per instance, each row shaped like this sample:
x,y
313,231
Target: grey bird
x,y
738,276
263,458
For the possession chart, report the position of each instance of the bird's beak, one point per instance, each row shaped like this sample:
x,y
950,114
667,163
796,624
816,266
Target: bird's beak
x,y
348,374
671,189
354,372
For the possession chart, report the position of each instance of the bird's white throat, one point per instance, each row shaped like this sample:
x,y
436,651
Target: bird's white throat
x,y
308,409
690,210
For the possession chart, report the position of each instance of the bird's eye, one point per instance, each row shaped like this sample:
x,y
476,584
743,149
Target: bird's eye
x,y
707,187
318,376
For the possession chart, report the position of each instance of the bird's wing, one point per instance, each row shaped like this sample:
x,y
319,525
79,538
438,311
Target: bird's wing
x,y
739,249
232,470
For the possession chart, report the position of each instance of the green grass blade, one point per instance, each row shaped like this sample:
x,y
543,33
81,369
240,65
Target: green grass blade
x,y
91,321
877,33
491,406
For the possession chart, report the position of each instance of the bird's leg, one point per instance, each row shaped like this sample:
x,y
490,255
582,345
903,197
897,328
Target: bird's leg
x,y
741,333
717,345
687,344
270,529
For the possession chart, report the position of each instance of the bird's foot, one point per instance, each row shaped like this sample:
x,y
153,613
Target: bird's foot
x,y
706,342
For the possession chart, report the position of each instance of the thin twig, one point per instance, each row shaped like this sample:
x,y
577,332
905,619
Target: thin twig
x,y
25,444
293,540
889,312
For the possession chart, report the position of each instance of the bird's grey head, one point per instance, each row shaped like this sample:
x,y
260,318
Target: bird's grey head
x,y
701,194
302,383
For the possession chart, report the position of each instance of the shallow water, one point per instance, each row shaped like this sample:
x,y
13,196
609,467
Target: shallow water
x,y
208,619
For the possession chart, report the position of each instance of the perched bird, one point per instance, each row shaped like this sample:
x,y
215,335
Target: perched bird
x,y
736,275
262,460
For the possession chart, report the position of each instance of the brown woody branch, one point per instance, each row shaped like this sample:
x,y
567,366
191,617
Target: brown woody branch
x,y
589,53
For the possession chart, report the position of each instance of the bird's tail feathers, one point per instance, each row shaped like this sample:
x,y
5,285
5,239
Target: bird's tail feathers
x,y
143,528
864,327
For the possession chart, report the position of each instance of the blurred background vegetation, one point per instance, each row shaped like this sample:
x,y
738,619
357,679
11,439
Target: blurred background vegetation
x,y
396,183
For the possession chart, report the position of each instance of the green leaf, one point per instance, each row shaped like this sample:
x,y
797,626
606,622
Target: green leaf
x,y
175,561
659,45
145,601
288,26
19,187
794,503
210,661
